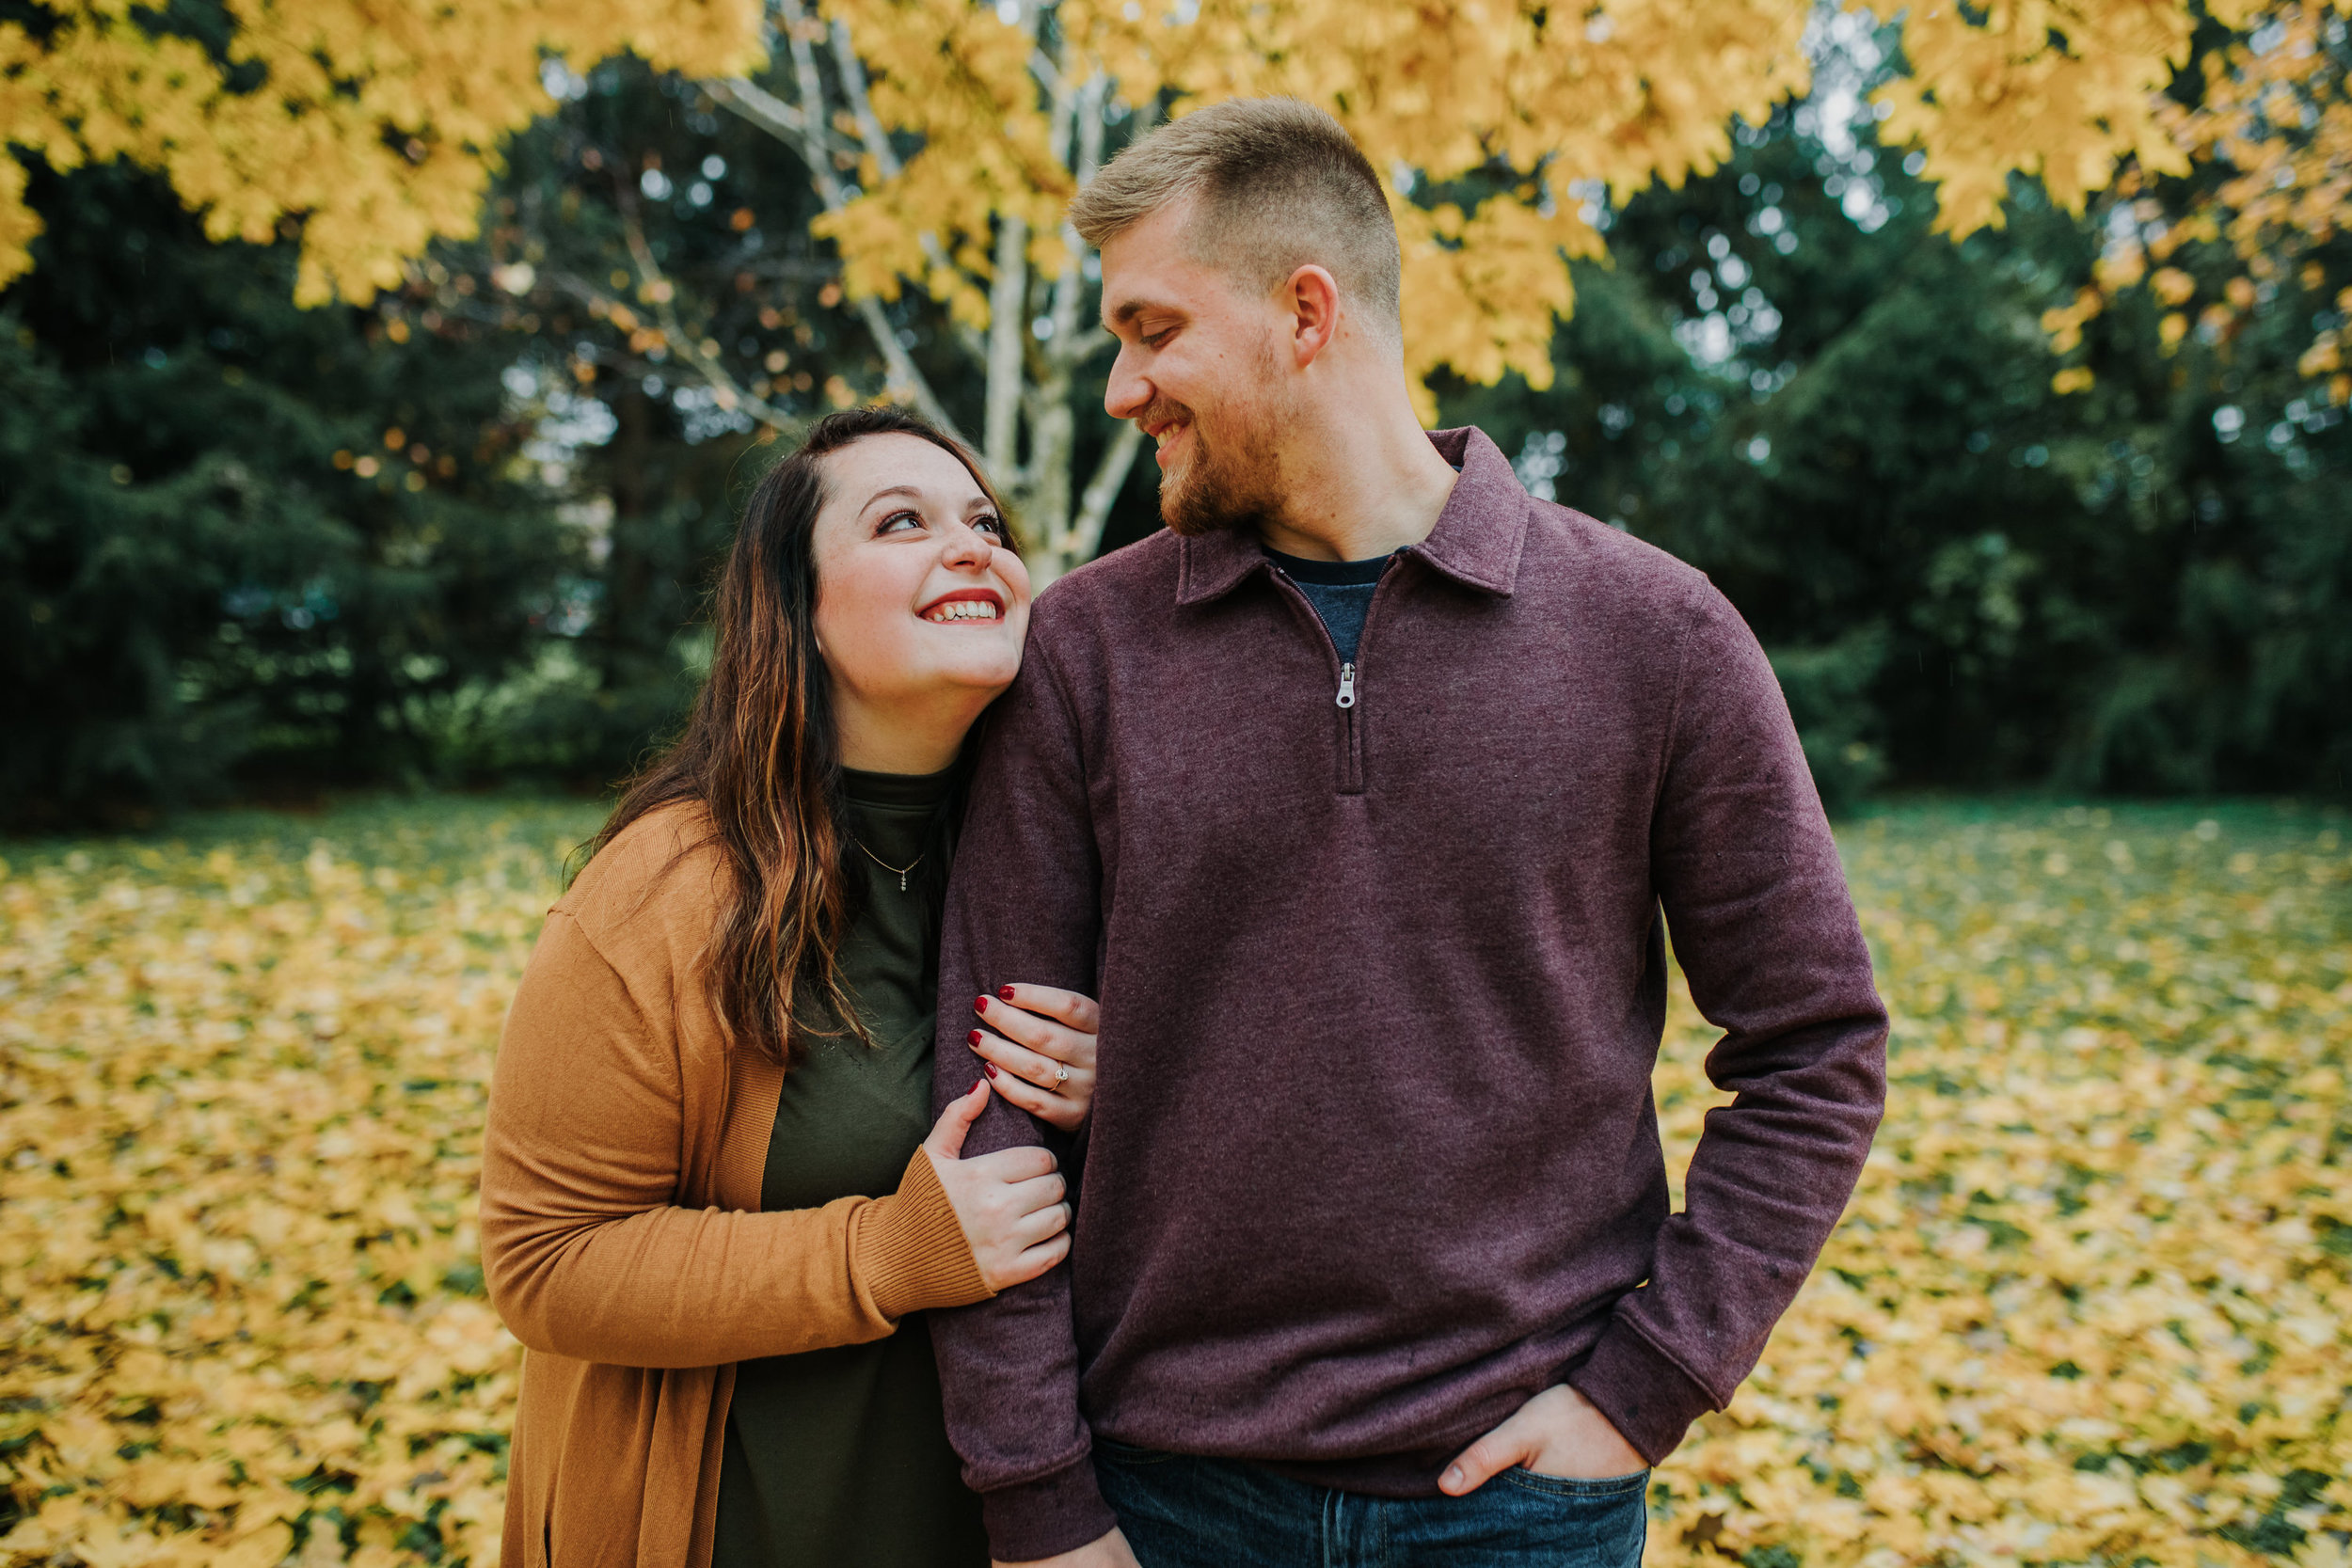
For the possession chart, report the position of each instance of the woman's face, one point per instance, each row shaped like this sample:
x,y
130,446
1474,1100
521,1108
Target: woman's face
x,y
918,599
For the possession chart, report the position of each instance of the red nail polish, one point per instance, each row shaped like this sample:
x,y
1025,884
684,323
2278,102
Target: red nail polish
x,y
1005,992
991,1069
979,1005
977,1083
976,1039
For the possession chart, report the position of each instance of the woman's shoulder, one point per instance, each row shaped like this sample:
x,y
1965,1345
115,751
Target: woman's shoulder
x,y
662,874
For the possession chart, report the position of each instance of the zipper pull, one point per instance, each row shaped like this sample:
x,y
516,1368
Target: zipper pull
x,y
1347,686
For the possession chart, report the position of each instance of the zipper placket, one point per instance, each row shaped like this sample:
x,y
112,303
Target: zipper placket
x,y
1349,697
1351,742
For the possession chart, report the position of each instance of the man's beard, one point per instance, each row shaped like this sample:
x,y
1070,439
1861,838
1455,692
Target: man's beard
x,y
1231,485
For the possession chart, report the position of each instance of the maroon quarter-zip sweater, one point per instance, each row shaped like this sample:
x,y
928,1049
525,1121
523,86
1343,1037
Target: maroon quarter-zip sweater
x,y
1374,1157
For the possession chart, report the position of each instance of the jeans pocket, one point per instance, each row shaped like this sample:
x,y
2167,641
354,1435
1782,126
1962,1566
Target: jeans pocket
x,y
1594,1487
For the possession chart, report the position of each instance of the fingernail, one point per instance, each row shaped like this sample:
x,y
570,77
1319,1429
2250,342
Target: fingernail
x,y
1453,1476
990,1068
976,1085
980,1004
1004,993
976,1039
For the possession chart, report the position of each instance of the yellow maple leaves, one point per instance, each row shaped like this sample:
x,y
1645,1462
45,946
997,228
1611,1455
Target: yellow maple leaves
x,y
2090,1302
2054,88
1500,93
2270,114
240,1121
372,129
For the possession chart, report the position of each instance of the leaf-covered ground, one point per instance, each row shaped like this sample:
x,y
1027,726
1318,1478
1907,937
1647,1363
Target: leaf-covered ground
x,y
2088,1306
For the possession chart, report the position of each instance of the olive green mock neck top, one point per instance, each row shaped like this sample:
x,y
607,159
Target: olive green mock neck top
x,y
838,1458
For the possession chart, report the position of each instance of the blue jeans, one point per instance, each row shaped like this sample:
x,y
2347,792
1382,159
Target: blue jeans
x,y
1182,1512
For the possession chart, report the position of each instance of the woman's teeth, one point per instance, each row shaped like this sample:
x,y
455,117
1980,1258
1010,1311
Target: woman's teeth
x,y
963,609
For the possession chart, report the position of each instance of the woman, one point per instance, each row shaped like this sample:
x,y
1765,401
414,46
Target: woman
x,y
709,1206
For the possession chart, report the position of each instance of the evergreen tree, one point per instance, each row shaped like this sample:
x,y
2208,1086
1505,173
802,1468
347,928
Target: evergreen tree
x,y
240,540
1966,577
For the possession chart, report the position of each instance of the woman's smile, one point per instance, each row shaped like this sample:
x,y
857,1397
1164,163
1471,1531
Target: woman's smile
x,y
966,604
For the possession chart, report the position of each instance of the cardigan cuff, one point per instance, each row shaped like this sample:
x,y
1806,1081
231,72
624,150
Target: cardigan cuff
x,y
1646,1397
909,1253
1056,1512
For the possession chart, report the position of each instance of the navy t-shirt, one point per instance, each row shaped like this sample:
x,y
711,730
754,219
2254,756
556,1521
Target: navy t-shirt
x,y
1340,591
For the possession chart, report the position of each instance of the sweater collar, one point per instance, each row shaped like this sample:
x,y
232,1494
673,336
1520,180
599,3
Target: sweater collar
x,y
1476,542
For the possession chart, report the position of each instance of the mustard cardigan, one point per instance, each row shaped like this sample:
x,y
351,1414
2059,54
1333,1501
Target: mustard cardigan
x,y
621,1237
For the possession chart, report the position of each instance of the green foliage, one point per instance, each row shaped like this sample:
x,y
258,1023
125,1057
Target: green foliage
x,y
1965,578
1827,688
656,463
217,574
239,542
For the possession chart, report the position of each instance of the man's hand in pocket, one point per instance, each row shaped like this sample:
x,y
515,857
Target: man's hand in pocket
x,y
1558,1433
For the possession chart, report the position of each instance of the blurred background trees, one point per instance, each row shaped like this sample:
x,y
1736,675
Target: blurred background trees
x,y
2058,502
241,541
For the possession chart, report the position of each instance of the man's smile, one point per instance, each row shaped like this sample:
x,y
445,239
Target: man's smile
x,y
1169,436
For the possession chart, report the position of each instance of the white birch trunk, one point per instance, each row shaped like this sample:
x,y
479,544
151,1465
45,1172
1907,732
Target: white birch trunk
x,y
1030,382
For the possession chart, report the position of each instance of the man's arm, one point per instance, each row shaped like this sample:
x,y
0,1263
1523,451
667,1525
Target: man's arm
x,y
1023,906
1756,903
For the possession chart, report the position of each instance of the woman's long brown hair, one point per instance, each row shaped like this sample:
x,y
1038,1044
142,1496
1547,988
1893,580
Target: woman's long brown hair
x,y
761,754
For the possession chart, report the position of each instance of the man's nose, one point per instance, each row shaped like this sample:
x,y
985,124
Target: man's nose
x,y
1128,392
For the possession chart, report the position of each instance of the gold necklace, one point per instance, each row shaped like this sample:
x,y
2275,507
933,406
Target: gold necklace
x,y
899,871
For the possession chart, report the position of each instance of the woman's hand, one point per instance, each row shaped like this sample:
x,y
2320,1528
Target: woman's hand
x,y
1009,1203
1042,1057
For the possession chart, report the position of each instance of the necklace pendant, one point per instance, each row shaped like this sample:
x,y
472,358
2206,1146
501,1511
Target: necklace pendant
x,y
902,881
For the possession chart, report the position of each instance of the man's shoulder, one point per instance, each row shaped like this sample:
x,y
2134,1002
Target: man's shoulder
x,y
1602,561
1141,575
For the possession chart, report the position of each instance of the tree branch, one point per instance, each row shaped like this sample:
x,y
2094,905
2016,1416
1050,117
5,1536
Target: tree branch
x,y
1050,77
1008,293
751,102
1067,349
818,157
660,291
869,127
1110,476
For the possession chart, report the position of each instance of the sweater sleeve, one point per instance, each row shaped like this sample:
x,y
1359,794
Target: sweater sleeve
x,y
1762,922
584,1249
1009,1366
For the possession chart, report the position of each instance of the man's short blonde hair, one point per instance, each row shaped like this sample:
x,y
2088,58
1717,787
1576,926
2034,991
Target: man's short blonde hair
x,y
1277,186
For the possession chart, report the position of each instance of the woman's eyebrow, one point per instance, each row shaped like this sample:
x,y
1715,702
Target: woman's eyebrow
x,y
908,490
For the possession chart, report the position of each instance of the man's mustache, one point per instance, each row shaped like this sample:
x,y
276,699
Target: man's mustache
x,y
1159,412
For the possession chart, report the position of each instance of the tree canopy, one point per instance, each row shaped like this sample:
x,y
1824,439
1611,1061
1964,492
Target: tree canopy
x,y
1975,561
945,137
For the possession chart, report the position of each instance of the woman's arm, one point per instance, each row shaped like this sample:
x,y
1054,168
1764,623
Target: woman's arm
x,y
586,1254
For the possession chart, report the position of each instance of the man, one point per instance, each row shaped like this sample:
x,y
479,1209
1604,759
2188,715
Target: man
x,y
1355,796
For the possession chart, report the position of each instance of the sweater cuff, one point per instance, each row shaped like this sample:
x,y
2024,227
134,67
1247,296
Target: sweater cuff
x,y
1646,1397
908,1251
1055,1513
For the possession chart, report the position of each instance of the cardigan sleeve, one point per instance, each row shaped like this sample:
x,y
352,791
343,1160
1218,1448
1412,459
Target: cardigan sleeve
x,y
585,1251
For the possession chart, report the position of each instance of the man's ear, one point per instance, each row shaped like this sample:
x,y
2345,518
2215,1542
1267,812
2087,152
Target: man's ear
x,y
1312,296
